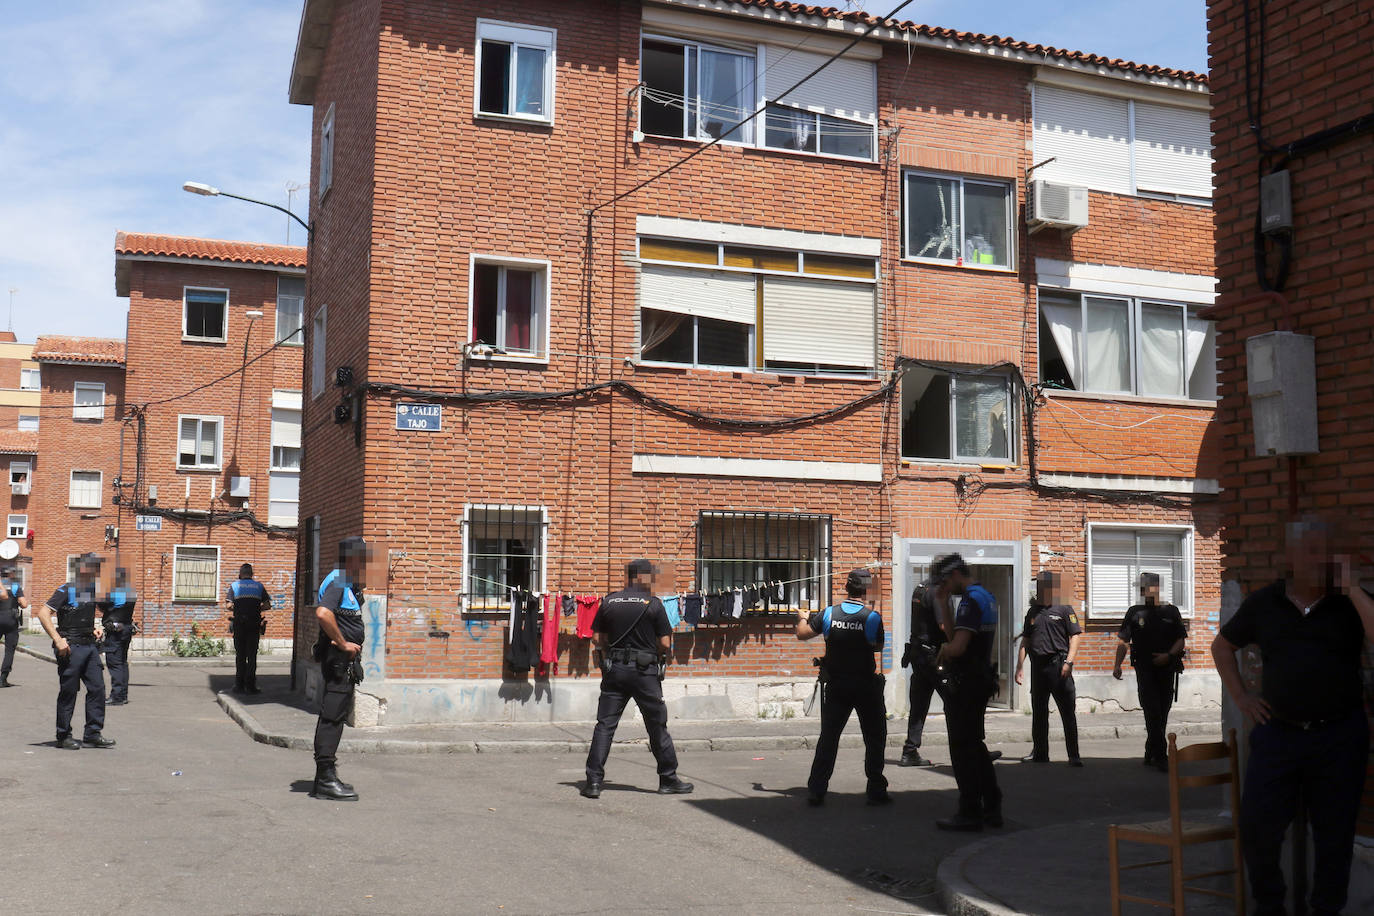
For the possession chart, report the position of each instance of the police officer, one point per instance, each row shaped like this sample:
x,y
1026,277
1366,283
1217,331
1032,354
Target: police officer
x,y
119,632
1310,728
1154,634
12,605
931,622
632,633
339,610
967,659
1050,637
850,682
75,637
247,599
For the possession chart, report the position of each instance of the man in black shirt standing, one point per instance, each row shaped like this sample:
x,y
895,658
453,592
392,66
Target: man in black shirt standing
x,y
12,605
632,633
339,610
75,644
1310,729
850,682
1050,636
931,622
1154,634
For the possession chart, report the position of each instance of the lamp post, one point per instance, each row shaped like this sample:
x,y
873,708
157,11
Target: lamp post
x,y
205,190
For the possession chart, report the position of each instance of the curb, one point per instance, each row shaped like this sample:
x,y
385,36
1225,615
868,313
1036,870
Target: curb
x,y
957,895
213,661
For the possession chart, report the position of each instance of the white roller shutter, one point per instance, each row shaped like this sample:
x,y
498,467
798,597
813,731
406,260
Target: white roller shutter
x,y
1087,135
815,321
846,88
1173,150
1111,579
286,427
704,293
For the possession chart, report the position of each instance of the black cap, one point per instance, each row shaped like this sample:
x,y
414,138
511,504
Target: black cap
x,y
951,563
640,567
353,546
858,578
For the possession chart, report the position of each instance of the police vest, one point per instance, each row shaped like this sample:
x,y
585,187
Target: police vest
x,y
76,618
248,596
121,606
980,612
850,629
11,602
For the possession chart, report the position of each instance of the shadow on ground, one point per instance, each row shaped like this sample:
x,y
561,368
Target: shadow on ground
x,y
276,691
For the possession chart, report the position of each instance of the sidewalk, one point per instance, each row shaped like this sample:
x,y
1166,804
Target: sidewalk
x,y
40,648
280,718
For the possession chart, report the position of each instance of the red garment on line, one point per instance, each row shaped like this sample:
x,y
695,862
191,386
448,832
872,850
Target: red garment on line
x,y
587,606
548,636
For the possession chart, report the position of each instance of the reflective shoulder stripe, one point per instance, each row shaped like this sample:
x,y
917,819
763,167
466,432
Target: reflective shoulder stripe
x,y
825,621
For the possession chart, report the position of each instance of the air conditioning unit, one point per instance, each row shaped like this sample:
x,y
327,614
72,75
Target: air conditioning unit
x,y
239,487
1056,206
19,489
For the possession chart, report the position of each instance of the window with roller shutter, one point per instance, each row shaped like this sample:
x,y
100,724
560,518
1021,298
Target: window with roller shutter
x,y
1118,555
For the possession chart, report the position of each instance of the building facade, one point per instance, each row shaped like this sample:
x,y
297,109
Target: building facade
x,y
1294,115
587,308
20,396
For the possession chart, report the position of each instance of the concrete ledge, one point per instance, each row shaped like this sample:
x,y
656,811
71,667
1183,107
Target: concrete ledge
x,y
213,661
957,894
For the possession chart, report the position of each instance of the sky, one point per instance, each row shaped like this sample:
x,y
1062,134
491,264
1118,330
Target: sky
x,y
107,108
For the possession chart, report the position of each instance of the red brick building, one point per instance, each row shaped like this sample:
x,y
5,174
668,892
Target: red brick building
x,y
829,339
20,397
1309,76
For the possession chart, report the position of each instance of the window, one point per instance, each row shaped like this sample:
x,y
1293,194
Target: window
x,y
285,480
1120,345
958,221
206,314
953,416
509,305
514,71
28,421
317,339
85,490
30,379
727,306
1120,145
88,400
505,550
1118,555
327,151
813,132
18,527
696,91
738,549
195,573
198,442
21,478
311,565
291,310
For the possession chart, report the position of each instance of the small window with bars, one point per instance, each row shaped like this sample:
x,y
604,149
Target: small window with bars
x,y
739,549
504,551
195,574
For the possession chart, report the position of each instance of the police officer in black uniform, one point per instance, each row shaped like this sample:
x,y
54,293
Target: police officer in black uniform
x,y
931,622
75,644
12,605
850,682
1154,634
247,599
1050,637
339,610
632,633
119,632
967,661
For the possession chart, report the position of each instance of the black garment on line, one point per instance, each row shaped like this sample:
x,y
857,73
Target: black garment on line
x,y
522,653
691,609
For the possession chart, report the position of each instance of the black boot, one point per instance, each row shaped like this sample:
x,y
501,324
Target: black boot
x,y
327,785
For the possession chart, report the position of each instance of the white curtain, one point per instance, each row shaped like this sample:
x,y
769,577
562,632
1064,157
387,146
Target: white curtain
x,y
1106,345
980,416
1065,320
724,79
1202,359
1161,351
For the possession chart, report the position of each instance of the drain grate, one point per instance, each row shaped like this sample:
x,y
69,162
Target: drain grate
x,y
902,888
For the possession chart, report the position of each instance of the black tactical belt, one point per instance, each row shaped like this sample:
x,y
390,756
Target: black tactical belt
x,y
79,640
631,656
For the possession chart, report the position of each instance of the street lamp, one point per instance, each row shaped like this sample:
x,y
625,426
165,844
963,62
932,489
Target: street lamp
x,y
205,190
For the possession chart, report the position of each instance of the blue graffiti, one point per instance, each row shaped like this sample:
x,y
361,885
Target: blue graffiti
x,y
480,624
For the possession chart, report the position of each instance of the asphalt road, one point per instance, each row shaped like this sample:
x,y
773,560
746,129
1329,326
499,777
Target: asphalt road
x,y
188,815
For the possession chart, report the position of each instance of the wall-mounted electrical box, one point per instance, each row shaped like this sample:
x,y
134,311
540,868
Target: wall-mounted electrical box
x,y
1281,374
240,487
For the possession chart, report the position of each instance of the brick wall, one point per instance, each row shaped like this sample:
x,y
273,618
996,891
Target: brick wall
x,y
1315,78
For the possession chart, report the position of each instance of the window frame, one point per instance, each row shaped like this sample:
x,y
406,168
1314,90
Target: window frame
x,y
543,270
87,413
486,29
696,362
823,538
185,307
27,372
32,417
472,603
176,560
299,334
326,152
200,420
1189,549
23,525
1008,185
769,104
1013,422
99,489
1134,309
25,468
319,337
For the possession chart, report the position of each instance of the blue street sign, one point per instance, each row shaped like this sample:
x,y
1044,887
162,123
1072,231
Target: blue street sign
x,y
427,418
148,522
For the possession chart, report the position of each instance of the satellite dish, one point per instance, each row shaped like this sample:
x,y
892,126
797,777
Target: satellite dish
x,y
8,549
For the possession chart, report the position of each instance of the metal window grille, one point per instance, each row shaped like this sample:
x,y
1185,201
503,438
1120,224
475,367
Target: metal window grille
x,y
505,548
739,549
196,570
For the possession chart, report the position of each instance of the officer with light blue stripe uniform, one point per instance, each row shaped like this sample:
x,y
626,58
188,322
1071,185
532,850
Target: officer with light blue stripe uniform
x,y
247,601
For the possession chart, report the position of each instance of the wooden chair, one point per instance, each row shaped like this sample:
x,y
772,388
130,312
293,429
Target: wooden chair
x,y
1176,833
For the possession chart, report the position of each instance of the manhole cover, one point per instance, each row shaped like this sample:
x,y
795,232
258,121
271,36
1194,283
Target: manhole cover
x,y
904,888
